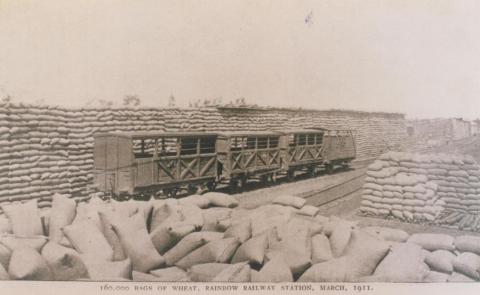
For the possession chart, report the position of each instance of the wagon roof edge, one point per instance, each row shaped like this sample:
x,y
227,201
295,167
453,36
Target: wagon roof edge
x,y
158,134
249,133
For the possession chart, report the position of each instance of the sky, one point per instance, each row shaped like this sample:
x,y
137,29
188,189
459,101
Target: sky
x,y
418,57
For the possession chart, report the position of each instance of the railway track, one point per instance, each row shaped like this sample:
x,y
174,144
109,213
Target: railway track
x,y
334,192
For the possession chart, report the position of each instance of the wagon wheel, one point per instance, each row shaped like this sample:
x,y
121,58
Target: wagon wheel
x,y
114,197
166,192
159,195
170,192
242,182
311,172
150,194
329,168
290,175
144,196
237,184
264,179
271,179
346,165
192,189
212,185
233,185
123,197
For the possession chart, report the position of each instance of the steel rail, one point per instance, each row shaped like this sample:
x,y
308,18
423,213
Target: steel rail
x,y
314,197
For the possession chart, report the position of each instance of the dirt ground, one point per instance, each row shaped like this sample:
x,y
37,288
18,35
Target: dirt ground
x,y
254,198
348,208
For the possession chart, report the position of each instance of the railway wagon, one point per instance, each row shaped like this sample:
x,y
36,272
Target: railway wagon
x,y
338,148
144,163
246,155
302,150
131,164
310,149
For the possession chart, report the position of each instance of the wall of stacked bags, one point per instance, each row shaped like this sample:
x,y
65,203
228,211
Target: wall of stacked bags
x,y
437,188
49,149
208,238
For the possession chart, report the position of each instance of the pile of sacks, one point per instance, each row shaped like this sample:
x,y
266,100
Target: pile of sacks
x,y
420,187
205,238
426,257
379,254
45,149
34,158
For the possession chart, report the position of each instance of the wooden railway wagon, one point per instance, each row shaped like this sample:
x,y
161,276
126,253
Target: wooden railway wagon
x,y
302,150
338,148
133,163
244,155
310,149
145,163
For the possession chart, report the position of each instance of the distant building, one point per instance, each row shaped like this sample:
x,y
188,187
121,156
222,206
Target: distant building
x,y
442,130
475,130
461,128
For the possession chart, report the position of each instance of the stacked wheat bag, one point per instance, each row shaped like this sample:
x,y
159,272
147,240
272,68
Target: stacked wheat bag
x,y
208,238
439,188
45,149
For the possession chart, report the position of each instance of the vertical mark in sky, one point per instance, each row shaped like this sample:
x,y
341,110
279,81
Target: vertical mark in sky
x,y
309,18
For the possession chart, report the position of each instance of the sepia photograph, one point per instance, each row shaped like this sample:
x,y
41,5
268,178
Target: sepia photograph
x,y
290,146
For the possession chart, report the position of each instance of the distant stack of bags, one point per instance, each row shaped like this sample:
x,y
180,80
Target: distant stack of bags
x,y
420,187
34,155
45,149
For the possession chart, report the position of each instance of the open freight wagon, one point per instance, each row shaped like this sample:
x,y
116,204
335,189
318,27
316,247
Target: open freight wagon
x,y
311,149
142,163
246,155
132,163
